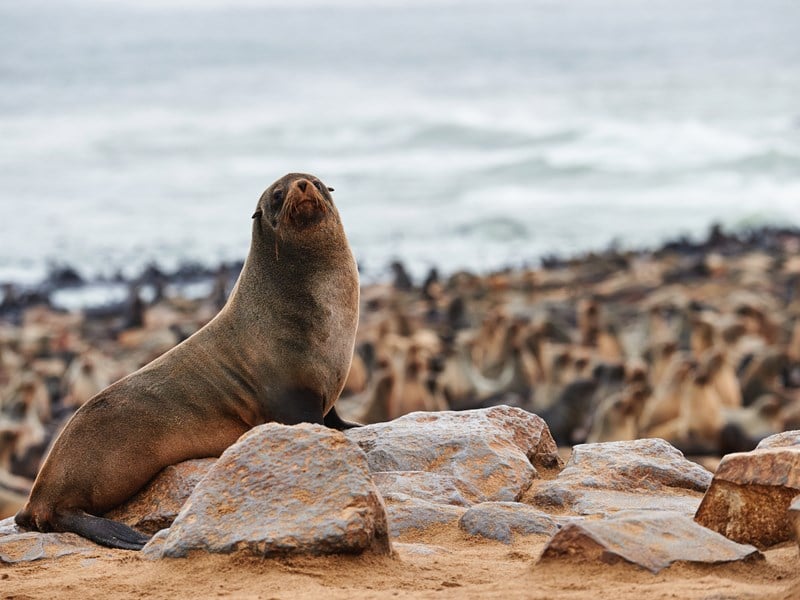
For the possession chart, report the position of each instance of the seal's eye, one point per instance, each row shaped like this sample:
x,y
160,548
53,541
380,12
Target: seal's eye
x,y
277,199
318,185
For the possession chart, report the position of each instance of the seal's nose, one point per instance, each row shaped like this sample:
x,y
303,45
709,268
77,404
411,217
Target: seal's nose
x,y
302,185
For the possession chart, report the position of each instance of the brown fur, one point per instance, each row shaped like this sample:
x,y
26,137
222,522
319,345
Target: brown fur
x,y
279,350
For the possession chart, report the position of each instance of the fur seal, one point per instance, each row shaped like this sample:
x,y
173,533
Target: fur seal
x,y
279,350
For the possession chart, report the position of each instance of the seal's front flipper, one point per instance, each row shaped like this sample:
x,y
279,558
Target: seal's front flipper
x,y
101,531
334,421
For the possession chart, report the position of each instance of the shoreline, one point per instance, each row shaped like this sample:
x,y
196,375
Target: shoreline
x,y
66,288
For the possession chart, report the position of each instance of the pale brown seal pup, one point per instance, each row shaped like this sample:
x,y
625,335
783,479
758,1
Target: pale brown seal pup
x,y
279,350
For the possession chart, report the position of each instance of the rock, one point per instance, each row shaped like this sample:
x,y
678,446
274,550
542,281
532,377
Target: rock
x,y
282,490
156,506
406,513
651,539
785,439
32,545
500,520
431,487
9,526
749,498
608,477
419,549
492,453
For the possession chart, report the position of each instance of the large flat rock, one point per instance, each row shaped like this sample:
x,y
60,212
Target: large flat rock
x,y
492,453
651,539
280,490
609,477
749,498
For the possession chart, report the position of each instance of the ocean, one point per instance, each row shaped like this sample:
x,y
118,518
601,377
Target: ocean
x,y
456,134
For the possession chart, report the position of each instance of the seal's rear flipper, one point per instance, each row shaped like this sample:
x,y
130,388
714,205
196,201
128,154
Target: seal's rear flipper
x,y
334,421
101,531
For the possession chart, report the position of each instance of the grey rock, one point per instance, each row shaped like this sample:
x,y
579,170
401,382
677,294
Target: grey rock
x,y
282,490
609,477
29,546
651,539
9,526
432,487
501,520
493,453
406,513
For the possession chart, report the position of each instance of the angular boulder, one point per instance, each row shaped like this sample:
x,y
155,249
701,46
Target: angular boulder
x,y
281,490
492,453
501,520
608,477
749,498
158,503
651,539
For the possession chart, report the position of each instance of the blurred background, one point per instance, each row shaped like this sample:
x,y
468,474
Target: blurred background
x,y
136,137
457,134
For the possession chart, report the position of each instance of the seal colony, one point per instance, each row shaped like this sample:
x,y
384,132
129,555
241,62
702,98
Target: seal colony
x,y
279,350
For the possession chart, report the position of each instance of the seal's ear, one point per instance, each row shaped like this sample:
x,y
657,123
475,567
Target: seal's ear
x,y
256,214
330,189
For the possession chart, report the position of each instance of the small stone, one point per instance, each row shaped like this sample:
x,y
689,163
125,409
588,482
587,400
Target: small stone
x,y
500,520
749,498
651,539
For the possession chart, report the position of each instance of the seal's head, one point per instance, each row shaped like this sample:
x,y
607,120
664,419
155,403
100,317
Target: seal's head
x,y
296,201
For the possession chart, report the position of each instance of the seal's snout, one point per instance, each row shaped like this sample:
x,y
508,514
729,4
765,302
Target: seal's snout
x,y
304,204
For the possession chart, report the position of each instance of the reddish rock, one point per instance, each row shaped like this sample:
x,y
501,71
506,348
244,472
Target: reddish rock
x,y
282,490
492,453
156,506
651,539
749,498
609,477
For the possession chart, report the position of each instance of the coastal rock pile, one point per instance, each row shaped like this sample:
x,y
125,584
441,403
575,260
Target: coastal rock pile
x,y
492,474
